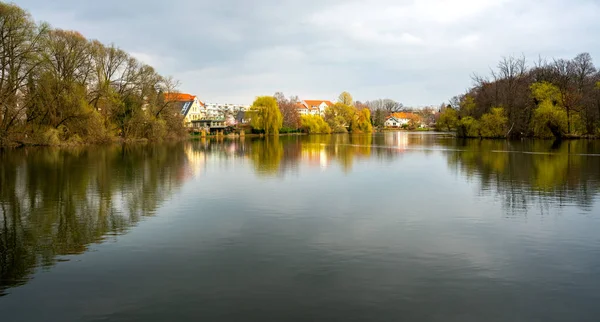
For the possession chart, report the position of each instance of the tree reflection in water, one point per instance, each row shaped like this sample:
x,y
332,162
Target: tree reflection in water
x,y
59,201
530,174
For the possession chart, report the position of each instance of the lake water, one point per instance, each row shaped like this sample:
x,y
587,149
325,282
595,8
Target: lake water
x,y
389,227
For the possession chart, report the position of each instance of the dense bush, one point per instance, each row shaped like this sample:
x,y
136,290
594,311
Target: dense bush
x,y
493,124
468,127
314,124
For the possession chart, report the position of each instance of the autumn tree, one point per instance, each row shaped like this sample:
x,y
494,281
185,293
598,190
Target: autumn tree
x,y
447,119
315,124
57,86
20,49
265,115
493,124
468,127
340,117
363,122
289,110
346,99
550,117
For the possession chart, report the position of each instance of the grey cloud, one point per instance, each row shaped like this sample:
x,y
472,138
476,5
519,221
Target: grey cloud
x,y
418,52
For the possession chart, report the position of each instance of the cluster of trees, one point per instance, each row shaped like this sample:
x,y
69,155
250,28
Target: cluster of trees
x,y
382,108
554,98
57,86
271,114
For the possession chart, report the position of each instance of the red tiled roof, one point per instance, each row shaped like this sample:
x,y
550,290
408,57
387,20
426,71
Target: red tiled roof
x,y
316,103
179,97
403,115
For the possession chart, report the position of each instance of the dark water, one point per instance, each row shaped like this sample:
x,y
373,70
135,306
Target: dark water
x,y
394,227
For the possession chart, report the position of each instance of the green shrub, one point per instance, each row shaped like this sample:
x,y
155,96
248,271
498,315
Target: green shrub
x,y
468,127
493,124
286,129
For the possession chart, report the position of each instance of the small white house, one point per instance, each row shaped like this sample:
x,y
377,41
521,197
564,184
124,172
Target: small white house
x,y
395,122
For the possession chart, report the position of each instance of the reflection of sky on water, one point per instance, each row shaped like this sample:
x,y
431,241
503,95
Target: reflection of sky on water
x,y
427,227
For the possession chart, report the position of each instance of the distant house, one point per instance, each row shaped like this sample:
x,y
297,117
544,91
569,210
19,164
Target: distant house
x,y
400,119
393,122
302,109
313,107
189,106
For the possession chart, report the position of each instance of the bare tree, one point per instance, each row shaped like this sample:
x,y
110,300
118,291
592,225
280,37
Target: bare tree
x,y
289,110
387,105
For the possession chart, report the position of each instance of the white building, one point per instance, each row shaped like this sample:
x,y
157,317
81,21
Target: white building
x,y
190,106
393,121
313,107
220,110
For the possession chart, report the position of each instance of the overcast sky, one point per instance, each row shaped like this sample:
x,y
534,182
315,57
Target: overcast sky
x,y
417,52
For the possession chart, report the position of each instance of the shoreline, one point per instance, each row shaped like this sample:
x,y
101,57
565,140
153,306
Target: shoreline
x,y
191,137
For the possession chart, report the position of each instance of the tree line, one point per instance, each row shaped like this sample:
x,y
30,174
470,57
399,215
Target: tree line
x,y
57,87
274,113
552,98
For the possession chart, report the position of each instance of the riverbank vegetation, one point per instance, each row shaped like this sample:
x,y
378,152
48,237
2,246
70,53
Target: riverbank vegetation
x,y
558,98
345,116
58,87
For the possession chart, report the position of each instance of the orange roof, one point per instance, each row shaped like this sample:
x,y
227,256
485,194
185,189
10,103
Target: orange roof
x,y
312,103
179,97
402,115
300,105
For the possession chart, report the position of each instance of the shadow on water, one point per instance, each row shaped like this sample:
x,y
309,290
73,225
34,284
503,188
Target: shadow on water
x,y
57,202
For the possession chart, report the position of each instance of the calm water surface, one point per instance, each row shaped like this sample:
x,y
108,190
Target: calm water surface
x,y
390,227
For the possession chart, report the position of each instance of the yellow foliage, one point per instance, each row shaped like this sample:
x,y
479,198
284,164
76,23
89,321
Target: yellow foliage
x,y
448,119
544,91
467,106
314,124
493,124
363,122
468,127
265,115
549,118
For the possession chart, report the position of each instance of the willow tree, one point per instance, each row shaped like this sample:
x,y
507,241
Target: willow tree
x,y
340,116
265,115
363,121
